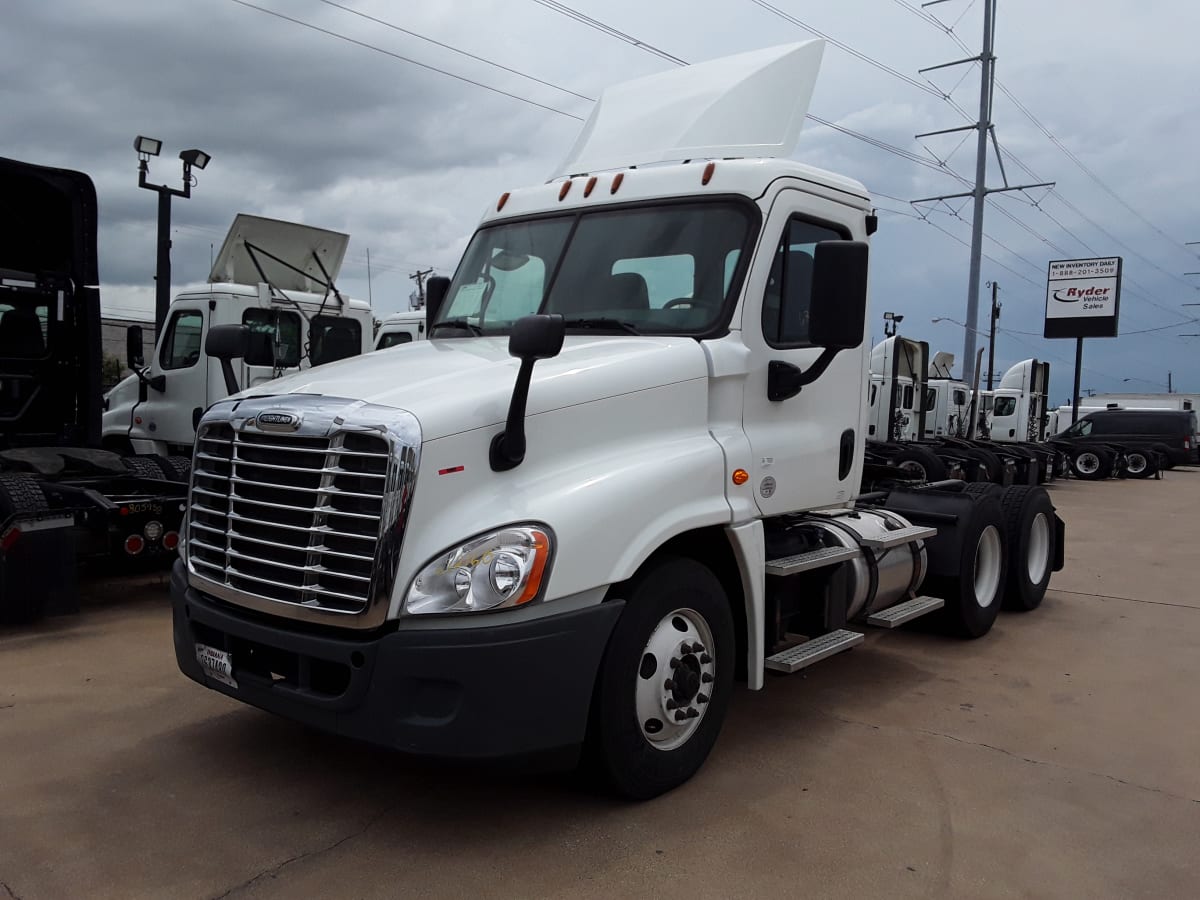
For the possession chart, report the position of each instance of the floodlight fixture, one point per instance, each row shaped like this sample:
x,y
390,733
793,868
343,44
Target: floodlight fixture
x,y
197,158
147,146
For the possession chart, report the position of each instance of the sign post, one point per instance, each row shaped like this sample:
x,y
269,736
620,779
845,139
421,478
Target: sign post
x,y
1083,298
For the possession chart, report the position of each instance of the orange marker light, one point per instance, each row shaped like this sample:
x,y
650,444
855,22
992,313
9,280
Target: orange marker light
x,y
708,173
503,200
617,179
591,183
740,476
562,191
541,547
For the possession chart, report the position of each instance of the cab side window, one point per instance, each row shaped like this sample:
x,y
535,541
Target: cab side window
x,y
274,338
789,286
181,345
393,339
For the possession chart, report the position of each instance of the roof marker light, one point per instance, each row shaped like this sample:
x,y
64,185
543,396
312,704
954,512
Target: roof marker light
x,y
617,179
562,191
503,200
708,173
591,183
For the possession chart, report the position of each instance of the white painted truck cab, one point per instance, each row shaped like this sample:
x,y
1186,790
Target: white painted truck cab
x,y
623,470
401,328
1020,404
895,402
274,277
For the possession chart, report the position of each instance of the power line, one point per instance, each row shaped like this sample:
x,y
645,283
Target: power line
x,y
436,43
563,9
364,44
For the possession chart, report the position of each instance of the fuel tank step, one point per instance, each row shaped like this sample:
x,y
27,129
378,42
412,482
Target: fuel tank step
x,y
898,537
796,658
897,615
813,559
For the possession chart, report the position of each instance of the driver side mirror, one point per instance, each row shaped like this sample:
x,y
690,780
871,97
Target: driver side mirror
x,y
838,310
435,295
227,343
134,348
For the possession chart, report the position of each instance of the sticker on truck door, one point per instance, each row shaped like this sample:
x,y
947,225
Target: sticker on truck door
x,y
216,664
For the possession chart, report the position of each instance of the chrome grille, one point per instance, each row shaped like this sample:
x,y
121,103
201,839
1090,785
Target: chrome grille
x,y
293,518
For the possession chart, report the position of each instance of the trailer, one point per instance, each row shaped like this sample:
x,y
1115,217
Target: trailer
x,y
64,500
622,474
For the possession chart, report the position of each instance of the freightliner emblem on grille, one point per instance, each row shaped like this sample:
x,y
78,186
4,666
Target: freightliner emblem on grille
x,y
278,420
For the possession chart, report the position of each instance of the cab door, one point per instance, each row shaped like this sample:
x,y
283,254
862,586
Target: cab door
x,y
180,360
807,447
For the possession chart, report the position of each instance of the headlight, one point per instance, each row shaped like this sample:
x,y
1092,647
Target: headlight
x,y
499,570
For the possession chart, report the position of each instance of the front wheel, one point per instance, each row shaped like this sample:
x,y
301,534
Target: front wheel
x,y
665,681
1092,465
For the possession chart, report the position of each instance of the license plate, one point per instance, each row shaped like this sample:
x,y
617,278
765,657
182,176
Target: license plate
x,y
216,664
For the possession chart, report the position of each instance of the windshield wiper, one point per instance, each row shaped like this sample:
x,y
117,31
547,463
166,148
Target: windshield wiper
x,y
460,323
601,322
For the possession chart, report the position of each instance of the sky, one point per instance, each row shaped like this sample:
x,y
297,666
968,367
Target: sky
x,y
399,123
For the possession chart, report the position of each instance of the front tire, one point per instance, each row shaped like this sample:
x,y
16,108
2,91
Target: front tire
x,y
1091,464
665,680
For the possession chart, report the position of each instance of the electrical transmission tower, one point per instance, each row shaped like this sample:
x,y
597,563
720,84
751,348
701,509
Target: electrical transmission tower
x,y
980,191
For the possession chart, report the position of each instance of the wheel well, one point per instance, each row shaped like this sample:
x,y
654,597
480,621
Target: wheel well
x,y
711,548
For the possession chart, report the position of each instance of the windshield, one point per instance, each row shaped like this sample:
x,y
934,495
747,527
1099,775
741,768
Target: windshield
x,y
662,269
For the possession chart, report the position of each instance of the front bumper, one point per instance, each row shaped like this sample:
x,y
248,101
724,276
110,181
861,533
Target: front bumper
x,y
472,693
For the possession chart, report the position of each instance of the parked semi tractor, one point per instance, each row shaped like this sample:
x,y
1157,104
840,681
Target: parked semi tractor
x,y
400,328
63,500
275,278
622,474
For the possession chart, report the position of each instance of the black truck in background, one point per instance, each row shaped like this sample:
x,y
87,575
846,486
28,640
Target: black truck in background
x,y
63,500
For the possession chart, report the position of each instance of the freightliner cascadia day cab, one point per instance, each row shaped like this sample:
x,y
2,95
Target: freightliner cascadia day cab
x,y
621,474
278,279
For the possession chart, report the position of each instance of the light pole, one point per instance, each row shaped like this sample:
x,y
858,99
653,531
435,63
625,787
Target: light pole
x,y
146,148
992,340
891,322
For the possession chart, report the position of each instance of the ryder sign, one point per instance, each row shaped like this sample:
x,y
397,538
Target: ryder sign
x,y
1082,297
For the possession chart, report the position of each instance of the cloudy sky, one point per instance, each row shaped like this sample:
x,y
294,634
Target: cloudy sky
x,y
333,114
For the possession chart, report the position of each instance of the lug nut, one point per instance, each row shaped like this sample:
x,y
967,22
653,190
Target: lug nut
x,y
692,713
705,658
680,715
674,663
706,678
697,647
671,704
702,698
669,684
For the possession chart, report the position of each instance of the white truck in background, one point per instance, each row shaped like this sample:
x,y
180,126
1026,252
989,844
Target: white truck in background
x,y
276,278
400,328
617,478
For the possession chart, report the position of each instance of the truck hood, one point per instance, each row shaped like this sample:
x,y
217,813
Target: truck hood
x,y
459,384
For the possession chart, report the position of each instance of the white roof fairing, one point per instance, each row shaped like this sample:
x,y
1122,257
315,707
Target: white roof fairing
x,y
747,105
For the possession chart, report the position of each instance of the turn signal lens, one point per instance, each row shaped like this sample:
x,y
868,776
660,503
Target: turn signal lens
x,y
740,476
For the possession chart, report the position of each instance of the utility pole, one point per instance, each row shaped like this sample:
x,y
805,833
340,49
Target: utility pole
x,y
419,277
992,339
370,296
979,193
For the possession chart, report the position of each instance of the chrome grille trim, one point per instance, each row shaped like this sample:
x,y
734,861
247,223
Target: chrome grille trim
x,y
306,524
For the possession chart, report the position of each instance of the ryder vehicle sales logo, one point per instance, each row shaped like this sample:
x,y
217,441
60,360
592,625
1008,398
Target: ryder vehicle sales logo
x,y
1092,297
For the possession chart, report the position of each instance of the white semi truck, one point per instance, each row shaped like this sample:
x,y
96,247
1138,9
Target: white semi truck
x,y
276,278
622,474
401,328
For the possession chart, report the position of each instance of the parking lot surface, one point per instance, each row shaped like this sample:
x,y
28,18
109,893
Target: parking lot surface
x,y
1057,757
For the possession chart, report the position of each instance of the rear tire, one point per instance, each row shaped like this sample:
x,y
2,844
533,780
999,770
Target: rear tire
x,y
635,741
1029,527
1091,464
922,462
21,495
1140,464
973,592
175,468
989,460
144,467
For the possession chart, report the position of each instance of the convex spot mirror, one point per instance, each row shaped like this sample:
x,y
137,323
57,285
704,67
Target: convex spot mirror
x,y
838,308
